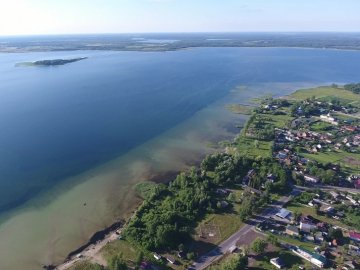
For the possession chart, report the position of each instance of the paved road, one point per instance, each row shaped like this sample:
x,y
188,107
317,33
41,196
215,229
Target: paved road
x,y
215,254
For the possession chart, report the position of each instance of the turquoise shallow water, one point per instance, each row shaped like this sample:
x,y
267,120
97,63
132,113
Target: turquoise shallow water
x,y
89,130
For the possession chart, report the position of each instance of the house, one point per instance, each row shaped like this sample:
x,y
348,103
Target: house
x,y
310,238
277,262
329,119
283,213
307,226
314,258
350,128
334,194
281,155
354,202
355,236
292,230
329,210
311,178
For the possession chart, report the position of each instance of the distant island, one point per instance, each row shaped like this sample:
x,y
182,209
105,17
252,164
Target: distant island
x,y
53,62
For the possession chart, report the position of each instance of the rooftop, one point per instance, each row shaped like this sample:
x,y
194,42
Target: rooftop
x,y
283,213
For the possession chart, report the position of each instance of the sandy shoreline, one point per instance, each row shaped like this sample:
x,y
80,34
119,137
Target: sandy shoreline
x,y
67,217
91,249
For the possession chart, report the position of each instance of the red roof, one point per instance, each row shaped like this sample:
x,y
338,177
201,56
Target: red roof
x,y
354,235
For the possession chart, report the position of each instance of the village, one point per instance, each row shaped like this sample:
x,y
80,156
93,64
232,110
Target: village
x,y
325,215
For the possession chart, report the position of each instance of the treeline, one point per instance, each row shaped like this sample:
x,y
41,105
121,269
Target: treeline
x,y
353,87
168,216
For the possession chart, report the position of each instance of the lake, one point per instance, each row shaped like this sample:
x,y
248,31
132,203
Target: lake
x,y
86,132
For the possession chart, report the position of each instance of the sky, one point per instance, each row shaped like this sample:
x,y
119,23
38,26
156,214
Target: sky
x,y
32,17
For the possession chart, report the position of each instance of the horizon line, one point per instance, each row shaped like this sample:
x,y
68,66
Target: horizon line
x,y
180,32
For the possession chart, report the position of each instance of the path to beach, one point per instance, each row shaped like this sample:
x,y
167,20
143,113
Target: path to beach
x,y
90,254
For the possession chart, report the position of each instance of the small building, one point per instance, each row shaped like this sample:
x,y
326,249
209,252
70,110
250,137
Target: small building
x,y
171,259
277,262
314,258
307,226
311,178
292,230
334,194
310,238
157,256
283,213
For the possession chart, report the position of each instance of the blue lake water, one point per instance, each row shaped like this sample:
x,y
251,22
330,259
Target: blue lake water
x,y
117,118
59,121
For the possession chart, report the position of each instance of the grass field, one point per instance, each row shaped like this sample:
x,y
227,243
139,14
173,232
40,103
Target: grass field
x,y
247,147
84,266
327,91
221,225
340,157
321,126
123,247
278,121
290,260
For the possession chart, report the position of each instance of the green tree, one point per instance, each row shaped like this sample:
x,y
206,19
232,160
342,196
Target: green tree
x,y
190,256
336,234
236,262
259,246
272,239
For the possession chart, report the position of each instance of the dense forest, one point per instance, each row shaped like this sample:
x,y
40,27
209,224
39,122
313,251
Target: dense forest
x,y
169,214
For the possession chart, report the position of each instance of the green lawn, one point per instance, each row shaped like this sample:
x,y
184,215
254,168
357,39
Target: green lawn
x,y
336,157
226,224
119,247
279,121
321,126
327,91
290,260
247,147
85,266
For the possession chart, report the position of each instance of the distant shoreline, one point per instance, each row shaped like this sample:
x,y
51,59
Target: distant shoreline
x,y
162,42
162,49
